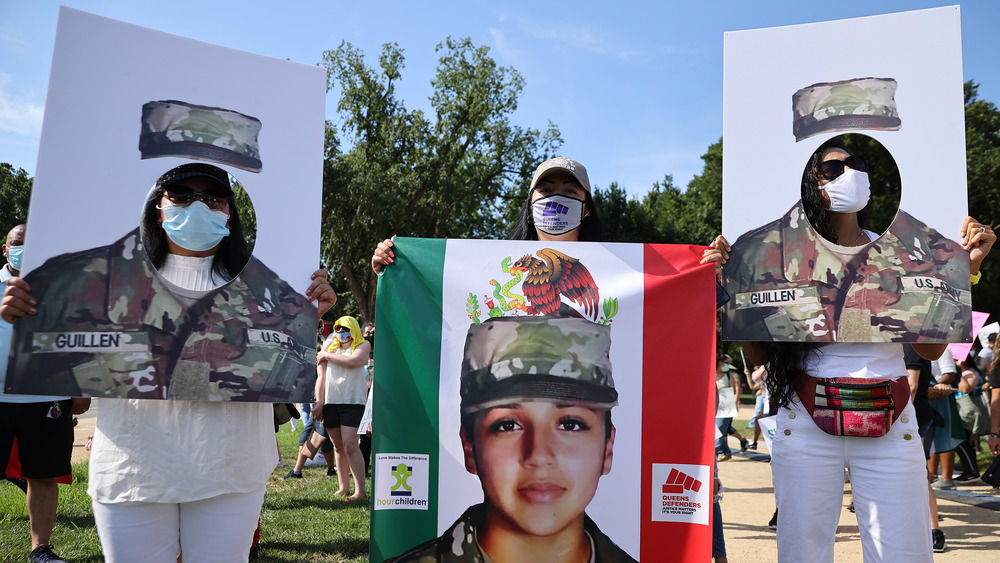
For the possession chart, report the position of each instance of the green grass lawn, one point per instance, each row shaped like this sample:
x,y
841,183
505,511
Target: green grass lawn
x,y
301,519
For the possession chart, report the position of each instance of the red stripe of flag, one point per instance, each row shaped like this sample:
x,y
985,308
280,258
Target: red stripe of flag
x,y
678,390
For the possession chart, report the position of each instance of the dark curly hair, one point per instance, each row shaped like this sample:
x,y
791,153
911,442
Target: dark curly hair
x,y
785,361
817,210
524,227
229,260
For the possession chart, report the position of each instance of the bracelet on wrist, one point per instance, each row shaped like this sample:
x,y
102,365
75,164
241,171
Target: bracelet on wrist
x,y
993,435
975,277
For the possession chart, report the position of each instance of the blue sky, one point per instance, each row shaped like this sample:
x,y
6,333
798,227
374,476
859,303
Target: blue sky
x,y
635,88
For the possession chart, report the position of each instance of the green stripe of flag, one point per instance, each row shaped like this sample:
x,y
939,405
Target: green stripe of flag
x,y
408,361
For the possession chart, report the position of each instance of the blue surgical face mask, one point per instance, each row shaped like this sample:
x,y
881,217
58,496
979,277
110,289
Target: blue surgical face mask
x,y
343,337
14,254
195,226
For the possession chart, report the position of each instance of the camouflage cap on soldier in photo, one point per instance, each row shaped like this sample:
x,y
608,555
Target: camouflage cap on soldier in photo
x,y
547,357
562,164
174,128
195,170
847,105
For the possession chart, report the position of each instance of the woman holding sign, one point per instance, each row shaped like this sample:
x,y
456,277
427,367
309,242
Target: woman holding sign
x,y
848,404
168,476
559,207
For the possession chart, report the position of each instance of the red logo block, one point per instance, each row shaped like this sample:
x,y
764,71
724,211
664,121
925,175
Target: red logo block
x,y
677,482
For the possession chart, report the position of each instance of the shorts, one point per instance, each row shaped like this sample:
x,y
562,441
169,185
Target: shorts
x,y
335,416
44,445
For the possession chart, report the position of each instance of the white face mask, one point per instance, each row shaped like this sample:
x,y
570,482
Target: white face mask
x,y
848,192
557,214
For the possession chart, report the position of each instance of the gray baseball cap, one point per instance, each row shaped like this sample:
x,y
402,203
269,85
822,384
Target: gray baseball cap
x,y
562,164
544,357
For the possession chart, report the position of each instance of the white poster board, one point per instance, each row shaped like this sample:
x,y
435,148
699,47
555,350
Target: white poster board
x,y
780,103
93,177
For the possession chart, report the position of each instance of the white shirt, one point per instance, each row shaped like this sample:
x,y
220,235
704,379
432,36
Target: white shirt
x,y
180,451
868,360
344,386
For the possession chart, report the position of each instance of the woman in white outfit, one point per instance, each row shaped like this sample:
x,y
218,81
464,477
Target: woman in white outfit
x,y
169,476
888,475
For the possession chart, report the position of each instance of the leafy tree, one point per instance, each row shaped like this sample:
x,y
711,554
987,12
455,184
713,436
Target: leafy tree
x,y
451,174
15,194
624,219
692,216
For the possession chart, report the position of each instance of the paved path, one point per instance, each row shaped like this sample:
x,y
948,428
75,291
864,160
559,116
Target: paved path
x,y
970,516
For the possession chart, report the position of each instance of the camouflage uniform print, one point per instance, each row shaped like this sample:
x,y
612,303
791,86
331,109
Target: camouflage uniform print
x,y
790,285
109,326
459,544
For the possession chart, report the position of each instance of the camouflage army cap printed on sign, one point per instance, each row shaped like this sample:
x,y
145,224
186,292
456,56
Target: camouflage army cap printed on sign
x,y
847,105
537,357
173,128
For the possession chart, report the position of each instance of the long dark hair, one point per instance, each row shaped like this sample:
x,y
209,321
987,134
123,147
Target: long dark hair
x,y
819,215
228,261
785,361
524,227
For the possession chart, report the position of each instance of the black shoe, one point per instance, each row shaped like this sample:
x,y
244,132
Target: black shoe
x,y
938,539
43,554
850,508
744,444
293,474
331,471
752,446
773,524
254,553
967,476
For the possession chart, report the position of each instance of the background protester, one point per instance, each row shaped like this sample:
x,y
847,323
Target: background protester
x,y
42,427
341,393
559,180
727,386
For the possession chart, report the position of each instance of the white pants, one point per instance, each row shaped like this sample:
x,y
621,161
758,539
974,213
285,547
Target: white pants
x,y
888,481
217,529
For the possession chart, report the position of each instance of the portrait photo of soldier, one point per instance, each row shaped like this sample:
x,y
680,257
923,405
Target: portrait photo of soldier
x,y
536,429
110,325
797,279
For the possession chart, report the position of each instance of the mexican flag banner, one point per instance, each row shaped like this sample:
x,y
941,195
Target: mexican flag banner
x,y
550,396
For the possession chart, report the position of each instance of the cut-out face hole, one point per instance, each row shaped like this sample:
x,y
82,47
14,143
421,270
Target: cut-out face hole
x,y
839,156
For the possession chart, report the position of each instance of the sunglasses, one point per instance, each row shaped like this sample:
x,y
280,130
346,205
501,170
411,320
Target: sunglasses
x,y
831,169
183,198
341,329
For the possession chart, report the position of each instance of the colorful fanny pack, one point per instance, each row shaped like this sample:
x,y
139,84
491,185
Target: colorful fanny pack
x,y
848,406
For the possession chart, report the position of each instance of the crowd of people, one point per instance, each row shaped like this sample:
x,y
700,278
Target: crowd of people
x,y
224,452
